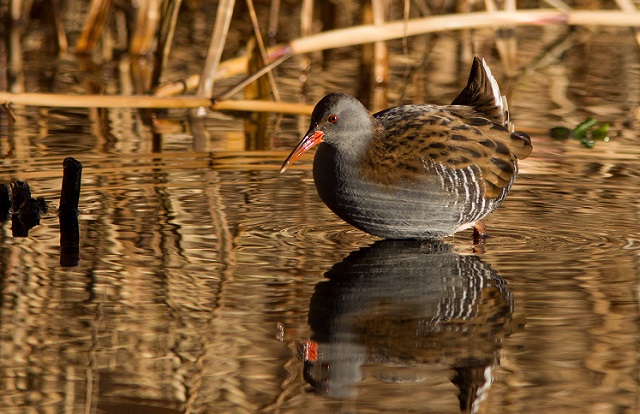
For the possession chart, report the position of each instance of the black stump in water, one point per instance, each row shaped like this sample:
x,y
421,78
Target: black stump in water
x,y
5,202
71,180
68,212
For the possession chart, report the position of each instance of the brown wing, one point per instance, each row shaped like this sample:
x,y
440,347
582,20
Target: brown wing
x,y
455,137
482,94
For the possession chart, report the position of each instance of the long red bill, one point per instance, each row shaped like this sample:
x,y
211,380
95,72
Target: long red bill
x,y
309,141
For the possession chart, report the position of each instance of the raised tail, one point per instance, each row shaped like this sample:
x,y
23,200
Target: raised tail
x,y
482,93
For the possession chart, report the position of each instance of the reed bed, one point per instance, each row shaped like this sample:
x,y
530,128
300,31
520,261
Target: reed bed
x,y
153,25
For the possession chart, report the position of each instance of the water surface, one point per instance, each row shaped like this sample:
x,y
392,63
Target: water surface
x,y
209,282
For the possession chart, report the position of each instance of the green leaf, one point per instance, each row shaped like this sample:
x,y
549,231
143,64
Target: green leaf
x,y
601,132
587,132
560,132
580,132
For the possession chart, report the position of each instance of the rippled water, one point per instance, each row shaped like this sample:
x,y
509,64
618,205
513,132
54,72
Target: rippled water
x,y
208,282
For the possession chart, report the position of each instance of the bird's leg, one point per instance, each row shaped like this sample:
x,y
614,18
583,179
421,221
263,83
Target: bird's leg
x,y
479,235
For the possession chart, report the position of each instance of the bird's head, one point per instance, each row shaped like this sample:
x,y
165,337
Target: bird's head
x,y
339,120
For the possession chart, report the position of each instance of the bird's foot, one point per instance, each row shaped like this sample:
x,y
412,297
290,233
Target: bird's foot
x,y
479,236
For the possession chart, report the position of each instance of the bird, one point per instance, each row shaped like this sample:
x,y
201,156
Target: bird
x,y
418,171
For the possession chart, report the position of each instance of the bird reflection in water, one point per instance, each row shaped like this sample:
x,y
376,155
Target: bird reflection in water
x,y
405,304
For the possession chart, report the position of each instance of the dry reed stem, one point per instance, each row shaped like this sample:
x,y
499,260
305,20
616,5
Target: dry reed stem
x,y
216,46
257,124
394,30
147,20
306,21
405,18
381,71
558,4
144,101
628,6
250,78
185,85
274,14
263,106
262,49
603,18
94,26
18,11
168,19
61,35
226,69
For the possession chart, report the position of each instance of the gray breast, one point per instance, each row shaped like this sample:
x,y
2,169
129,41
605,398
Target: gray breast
x,y
440,203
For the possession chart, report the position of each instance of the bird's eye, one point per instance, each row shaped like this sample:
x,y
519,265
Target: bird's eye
x,y
333,118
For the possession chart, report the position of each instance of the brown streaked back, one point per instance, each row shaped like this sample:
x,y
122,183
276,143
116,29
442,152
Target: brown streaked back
x,y
456,137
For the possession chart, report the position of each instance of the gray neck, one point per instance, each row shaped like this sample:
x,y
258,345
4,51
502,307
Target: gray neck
x,y
355,139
